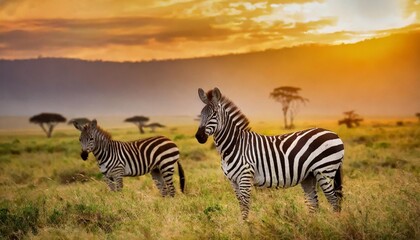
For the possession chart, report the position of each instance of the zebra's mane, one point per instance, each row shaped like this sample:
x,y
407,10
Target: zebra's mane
x,y
227,103
104,133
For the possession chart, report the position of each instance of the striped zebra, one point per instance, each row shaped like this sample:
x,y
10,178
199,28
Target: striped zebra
x,y
117,159
307,157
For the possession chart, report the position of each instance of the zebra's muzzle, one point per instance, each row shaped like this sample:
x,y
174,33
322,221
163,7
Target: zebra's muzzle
x,y
84,155
201,135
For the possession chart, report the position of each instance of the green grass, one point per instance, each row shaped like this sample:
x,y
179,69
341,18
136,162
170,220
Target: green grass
x,y
48,192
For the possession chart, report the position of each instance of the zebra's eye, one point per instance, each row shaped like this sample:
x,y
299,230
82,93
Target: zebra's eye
x,y
91,139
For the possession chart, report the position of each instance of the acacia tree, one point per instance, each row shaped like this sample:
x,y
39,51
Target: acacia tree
x,y
352,119
47,121
139,121
154,125
418,115
198,118
290,100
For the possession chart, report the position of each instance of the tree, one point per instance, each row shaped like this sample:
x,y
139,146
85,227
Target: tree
x,y
139,121
418,115
198,118
80,121
47,121
351,119
290,100
154,125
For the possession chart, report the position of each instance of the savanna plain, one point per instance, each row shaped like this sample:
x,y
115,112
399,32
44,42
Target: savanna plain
x,y
48,192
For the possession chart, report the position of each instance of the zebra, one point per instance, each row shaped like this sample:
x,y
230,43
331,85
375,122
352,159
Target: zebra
x,y
117,159
307,157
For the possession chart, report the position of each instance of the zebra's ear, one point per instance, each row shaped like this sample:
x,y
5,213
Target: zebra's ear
x,y
93,123
217,95
203,96
78,126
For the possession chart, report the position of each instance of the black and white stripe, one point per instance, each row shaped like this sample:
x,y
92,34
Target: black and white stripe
x,y
306,157
117,159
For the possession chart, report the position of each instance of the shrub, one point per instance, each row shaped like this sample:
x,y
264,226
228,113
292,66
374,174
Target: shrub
x,y
383,145
179,137
92,219
209,211
195,154
21,177
68,176
366,140
16,225
10,148
56,218
394,163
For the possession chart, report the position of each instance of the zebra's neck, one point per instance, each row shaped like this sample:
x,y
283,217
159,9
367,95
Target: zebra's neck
x,y
232,124
103,143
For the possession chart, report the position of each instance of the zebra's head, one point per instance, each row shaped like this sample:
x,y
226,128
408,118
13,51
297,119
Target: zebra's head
x,y
209,114
87,139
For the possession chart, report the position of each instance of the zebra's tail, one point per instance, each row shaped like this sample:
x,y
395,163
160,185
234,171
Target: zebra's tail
x,y
181,176
338,179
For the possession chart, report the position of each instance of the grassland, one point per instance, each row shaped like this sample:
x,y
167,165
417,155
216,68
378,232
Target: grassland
x,y
48,192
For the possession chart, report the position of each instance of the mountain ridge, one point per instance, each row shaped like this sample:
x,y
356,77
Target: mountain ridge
x,y
377,76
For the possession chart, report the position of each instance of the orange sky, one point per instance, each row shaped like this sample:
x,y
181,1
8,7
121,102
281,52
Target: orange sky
x,y
125,30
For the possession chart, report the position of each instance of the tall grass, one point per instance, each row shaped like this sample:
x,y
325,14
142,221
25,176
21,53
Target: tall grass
x,y
47,191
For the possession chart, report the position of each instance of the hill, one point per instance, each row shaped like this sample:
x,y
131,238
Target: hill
x,y
374,77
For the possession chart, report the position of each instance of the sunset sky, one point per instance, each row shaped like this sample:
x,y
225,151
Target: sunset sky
x,y
124,30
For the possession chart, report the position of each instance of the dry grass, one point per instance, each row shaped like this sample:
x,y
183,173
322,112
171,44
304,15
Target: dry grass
x,y
48,192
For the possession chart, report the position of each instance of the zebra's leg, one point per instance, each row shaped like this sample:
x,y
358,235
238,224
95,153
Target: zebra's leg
x,y
167,175
325,181
115,182
311,197
116,175
244,196
110,182
160,184
118,182
235,187
243,203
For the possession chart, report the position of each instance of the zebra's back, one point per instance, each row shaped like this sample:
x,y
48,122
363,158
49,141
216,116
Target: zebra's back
x,y
286,160
147,154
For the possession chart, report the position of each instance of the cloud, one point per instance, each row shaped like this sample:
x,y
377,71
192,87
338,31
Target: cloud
x,y
412,7
57,33
44,34
181,29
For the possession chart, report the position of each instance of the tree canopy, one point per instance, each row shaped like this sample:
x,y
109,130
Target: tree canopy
x,y
290,100
48,119
198,118
352,119
136,119
139,121
154,125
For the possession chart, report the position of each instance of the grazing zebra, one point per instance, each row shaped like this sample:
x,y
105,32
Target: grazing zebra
x,y
117,159
248,158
